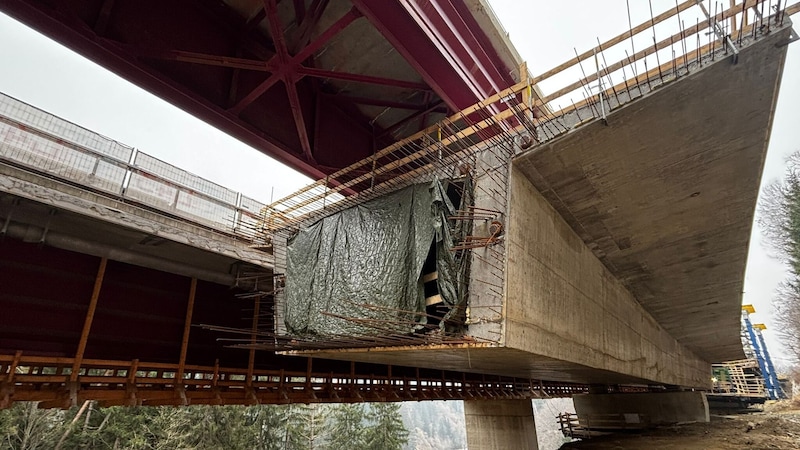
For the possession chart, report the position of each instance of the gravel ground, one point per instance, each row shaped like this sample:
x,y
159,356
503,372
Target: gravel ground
x,y
777,427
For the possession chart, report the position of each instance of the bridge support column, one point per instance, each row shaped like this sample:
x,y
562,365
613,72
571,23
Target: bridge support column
x,y
500,424
643,408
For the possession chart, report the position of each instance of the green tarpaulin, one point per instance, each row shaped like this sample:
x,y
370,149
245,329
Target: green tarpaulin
x,y
365,264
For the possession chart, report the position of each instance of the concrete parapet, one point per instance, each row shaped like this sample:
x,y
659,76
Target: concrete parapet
x,y
653,408
500,424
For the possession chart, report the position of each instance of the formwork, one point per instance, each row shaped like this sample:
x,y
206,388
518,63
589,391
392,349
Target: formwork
x,y
488,147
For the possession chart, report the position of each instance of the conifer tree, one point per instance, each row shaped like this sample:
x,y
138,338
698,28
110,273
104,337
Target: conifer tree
x,y
345,427
386,430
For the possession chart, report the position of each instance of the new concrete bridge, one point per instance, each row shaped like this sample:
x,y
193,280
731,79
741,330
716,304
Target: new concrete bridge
x,y
624,219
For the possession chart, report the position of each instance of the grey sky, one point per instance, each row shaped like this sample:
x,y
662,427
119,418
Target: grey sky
x,y
48,76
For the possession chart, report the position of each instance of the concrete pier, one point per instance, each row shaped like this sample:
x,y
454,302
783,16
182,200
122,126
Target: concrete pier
x,y
653,408
500,424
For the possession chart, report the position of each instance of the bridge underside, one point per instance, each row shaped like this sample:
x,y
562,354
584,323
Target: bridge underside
x,y
138,344
315,84
627,238
623,239
664,194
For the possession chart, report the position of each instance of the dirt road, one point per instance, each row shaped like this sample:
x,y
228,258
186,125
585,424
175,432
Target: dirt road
x,y
776,428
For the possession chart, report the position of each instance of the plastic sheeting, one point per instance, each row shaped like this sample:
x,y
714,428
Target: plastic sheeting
x,y
356,271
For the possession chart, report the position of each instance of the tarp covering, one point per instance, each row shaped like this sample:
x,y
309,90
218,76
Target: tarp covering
x,y
356,271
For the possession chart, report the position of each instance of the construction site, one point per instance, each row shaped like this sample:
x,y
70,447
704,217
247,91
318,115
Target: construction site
x,y
475,232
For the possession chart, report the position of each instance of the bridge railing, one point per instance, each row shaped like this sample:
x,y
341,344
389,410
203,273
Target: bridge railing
x,y
34,139
51,380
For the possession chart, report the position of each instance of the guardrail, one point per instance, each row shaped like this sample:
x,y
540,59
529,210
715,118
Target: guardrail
x,y
34,139
50,380
587,426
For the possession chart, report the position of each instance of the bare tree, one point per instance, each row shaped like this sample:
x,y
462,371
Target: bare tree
x,y
779,220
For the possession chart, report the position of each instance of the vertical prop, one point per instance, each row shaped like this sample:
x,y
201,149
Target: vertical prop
x,y
87,323
186,328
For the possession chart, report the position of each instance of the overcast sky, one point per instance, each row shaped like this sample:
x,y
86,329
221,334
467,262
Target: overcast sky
x,y
48,76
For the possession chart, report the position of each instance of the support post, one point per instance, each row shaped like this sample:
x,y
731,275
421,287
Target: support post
x,y
500,424
251,361
186,328
527,93
87,323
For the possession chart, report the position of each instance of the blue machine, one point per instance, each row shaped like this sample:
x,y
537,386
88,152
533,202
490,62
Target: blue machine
x,y
759,351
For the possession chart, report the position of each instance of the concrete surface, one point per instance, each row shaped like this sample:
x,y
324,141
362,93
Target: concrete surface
x,y
625,241
500,424
562,303
83,221
664,195
657,408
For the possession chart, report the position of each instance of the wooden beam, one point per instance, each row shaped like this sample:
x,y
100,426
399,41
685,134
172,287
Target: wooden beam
x,y
186,328
12,368
301,199
444,142
87,323
251,361
690,31
616,40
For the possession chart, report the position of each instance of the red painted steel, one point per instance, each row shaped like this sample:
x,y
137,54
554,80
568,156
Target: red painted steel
x,y
420,31
288,66
219,66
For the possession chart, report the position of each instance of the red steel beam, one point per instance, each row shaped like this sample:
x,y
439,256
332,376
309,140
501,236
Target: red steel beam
x,y
299,120
319,73
205,59
380,102
437,53
276,29
119,60
304,54
311,19
454,39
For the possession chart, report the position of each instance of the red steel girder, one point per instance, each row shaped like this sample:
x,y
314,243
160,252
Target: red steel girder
x,y
204,59
276,29
380,102
289,63
299,10
455,39
120,60
319,73
310,20
81,24
421,31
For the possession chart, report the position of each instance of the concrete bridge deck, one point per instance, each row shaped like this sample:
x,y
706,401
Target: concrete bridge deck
x,y
627,237
616,229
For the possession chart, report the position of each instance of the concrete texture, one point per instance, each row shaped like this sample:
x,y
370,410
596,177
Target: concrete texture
x,y
664,196
625,241
500,424
83,221
562,303
485,279
655,408
482,358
